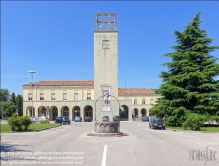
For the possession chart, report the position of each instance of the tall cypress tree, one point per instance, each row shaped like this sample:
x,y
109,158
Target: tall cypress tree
x,y
13,98
189,84
19,104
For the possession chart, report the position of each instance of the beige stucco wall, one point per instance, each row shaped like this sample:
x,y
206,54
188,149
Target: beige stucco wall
x,y
105,63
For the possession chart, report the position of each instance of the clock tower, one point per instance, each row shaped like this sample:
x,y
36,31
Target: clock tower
x,y
105,55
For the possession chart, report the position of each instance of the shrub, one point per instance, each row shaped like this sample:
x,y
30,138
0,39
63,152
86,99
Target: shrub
x,y
193,122
16,122
19,123
44,121
13,122
26,122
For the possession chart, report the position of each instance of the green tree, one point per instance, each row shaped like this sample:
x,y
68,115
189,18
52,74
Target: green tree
x,y
9,108
13,98
189,85
4,95
19,104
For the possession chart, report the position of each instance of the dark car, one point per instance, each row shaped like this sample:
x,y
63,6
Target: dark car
x,y
78,119
116,118
156,123
105,119
62,119
87,119
145,118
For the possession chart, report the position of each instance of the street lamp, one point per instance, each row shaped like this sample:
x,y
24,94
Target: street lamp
x,y
32,72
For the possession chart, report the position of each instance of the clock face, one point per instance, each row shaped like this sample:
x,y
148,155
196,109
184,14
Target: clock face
x,y
105,44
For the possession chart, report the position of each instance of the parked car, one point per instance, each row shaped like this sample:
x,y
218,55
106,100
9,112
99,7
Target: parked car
x,y
87,119
116,118
43,118
145,118
62,119
78,119
105,119
32,118
156,123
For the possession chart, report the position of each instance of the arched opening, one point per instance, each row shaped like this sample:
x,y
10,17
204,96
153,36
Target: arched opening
x,y
143,111
29,111
88,111
124,113
65,111
53,112
42,111
76,111
135,113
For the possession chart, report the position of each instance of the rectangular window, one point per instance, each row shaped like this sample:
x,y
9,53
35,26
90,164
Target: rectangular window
x,y
76,96
64,96
135,101
29,96
41,96
152,101
143,101
88,96
53,96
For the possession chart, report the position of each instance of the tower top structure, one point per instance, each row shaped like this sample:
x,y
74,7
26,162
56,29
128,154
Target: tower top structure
x,y
105,22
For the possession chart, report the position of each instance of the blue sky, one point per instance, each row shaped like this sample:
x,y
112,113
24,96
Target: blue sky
x,y
55,39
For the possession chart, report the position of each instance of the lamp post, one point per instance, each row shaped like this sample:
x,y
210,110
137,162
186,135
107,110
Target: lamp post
x,y
32,72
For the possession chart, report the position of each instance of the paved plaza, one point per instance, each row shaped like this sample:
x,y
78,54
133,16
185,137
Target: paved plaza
x,y
69,145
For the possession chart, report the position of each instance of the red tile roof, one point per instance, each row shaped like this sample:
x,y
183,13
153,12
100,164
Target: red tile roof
x,y
91,83
62,83
135,91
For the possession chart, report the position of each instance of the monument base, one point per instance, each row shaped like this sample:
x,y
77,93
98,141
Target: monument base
x,y
107,127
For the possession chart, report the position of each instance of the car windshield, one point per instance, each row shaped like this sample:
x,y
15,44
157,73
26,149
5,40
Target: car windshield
x,y
157,120
59,118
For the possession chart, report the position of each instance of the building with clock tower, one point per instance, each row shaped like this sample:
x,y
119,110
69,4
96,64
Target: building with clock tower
x,y
95,98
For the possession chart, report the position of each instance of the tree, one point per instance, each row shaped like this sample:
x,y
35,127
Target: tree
x,y
189,84
13,98
4,95
9,108
19,104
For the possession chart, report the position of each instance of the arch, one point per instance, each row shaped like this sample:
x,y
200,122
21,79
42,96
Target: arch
x,y
143,111
88,111
29,111
53,112
76,111
41,111
65,111
136,113
124,112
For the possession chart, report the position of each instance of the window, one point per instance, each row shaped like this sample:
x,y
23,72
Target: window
x,y
135,101
64,96
143,101
53,96
152,101
88,96
76,96
41,96
29,96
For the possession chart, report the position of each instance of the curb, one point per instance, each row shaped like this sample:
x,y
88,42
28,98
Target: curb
x,y
33,130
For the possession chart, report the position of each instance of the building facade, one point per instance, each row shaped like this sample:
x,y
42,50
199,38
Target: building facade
x,y
94,98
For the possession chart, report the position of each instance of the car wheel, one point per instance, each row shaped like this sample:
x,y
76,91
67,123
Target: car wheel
x,y
164,128
149,126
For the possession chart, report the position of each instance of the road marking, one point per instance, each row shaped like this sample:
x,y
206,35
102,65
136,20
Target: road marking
x,y
104,156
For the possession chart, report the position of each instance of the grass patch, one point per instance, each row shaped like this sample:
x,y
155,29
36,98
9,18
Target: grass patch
x,y
206,127
5,128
